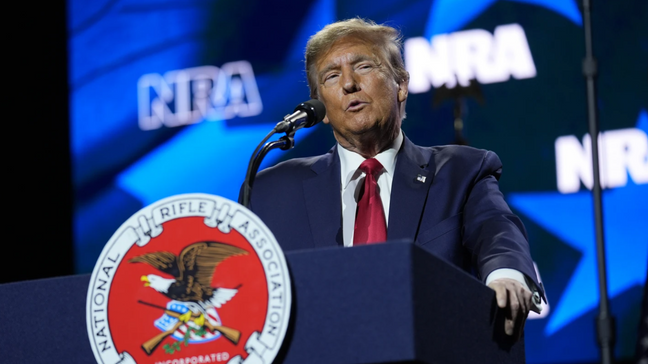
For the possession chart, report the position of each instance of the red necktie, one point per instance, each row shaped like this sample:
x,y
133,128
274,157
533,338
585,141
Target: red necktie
x,y
370,225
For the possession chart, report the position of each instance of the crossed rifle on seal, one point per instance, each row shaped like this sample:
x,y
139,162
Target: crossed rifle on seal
x,y
193,271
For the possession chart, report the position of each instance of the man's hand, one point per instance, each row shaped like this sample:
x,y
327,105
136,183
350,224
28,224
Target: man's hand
x,y
512,296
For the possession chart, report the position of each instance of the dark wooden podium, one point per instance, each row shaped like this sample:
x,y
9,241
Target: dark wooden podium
x,y
383,303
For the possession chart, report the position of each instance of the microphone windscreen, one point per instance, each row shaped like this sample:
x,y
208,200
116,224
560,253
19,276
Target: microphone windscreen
x,y
319,109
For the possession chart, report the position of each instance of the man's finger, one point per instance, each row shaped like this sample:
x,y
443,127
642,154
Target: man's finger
x,y
516,300
520,326
509,326
501,294
522,315
502,297
524,297
514,307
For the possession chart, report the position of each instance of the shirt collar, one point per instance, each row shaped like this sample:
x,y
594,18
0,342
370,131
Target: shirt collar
x,y
350,161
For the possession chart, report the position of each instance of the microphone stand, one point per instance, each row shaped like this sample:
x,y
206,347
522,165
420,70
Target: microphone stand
x,y
605,327
284,143
305,115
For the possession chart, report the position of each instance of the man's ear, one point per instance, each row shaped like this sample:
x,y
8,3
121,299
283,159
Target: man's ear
x,y
402,91
325,120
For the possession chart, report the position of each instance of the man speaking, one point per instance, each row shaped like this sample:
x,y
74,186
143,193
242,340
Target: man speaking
x,y
375,185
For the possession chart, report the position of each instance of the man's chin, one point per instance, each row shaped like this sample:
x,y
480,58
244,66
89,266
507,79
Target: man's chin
x,y
363,124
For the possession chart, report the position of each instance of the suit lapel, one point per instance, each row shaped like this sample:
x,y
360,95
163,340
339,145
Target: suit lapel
x,y
412,180
323,205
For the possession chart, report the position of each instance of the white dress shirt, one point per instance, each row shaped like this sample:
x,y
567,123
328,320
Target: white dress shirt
x,y
351,180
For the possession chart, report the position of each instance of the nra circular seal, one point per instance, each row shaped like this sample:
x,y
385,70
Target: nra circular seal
x,y
192,278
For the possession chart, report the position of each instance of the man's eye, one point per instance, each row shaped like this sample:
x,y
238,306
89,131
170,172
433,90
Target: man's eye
x,y
365,67
330,78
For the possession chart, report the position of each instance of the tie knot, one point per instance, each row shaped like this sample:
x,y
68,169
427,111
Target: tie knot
x,y
371,166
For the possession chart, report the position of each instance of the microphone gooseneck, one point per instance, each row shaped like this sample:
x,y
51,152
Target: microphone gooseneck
x,y
305,115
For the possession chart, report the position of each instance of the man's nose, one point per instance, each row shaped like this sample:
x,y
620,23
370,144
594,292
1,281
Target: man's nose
x,y
350,83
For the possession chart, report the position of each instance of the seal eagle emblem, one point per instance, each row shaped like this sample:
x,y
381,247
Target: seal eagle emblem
x,y
192,273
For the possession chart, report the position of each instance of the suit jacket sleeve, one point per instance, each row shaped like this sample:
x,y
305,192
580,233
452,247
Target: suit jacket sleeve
x,y
495,236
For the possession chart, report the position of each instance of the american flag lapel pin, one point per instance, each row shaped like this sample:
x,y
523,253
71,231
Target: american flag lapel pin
x,y
420,178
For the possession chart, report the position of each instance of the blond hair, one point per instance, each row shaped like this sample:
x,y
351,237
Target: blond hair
x,y
387,40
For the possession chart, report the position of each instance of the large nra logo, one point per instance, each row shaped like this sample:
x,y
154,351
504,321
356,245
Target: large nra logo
x,y
459,57
193,278
187,96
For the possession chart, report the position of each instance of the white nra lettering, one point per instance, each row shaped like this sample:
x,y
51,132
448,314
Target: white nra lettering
x,y
190,95
448,59
622,152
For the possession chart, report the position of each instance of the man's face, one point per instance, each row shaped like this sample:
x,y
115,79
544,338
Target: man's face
x,y
359,92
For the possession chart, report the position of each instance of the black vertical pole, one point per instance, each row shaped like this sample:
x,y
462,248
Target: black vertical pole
x,y
604,320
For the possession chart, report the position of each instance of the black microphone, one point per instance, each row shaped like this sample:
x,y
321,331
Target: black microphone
x,y
305,115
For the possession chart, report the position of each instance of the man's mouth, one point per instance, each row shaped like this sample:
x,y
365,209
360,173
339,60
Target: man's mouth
x,y
355,105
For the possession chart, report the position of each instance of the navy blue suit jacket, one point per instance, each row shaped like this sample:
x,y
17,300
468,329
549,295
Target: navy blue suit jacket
x,y
445,199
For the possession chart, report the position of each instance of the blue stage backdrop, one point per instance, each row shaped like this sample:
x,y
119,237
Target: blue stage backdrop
x,y
171,96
